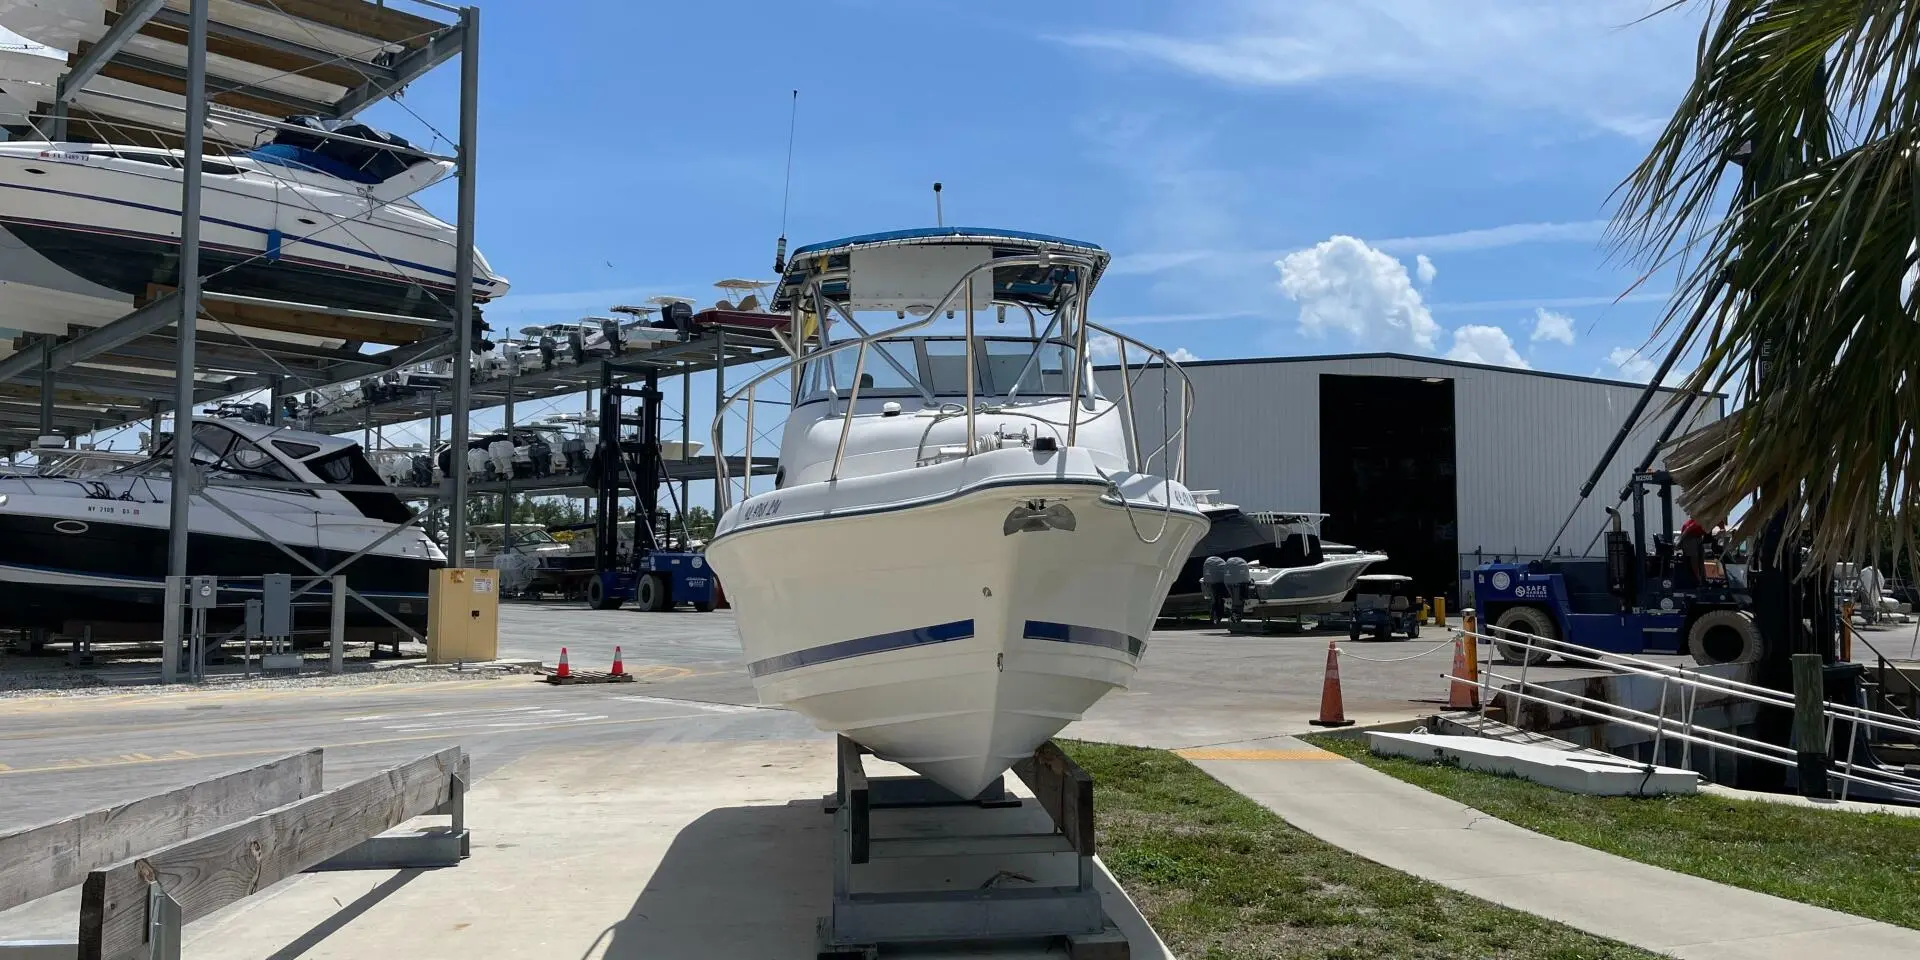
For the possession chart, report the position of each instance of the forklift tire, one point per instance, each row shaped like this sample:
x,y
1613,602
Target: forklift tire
x,y
650,594
1529,620
703,606
597,595
1723,636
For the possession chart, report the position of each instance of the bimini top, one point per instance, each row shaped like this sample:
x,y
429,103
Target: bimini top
x,y
900,269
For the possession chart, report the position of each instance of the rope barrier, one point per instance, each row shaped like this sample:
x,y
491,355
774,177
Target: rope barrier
x,y
1437,646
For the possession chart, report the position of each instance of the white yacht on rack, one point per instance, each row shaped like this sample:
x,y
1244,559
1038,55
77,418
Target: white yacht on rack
x,y
965,549
95,548
88,229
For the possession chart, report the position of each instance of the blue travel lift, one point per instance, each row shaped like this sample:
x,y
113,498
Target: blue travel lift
x,y
653,576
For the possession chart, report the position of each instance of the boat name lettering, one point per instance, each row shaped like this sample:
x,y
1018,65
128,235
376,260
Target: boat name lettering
x,y
1183,498
766,508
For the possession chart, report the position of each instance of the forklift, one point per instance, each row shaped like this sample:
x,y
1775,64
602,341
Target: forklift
x,y
1633,601
656,573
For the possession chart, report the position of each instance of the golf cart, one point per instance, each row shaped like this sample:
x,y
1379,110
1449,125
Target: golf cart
x,y
1383,604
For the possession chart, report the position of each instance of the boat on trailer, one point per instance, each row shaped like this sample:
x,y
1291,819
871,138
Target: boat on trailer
x,y
965,548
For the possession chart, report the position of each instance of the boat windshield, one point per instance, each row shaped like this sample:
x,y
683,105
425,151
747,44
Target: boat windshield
x,y
1002,366
219,452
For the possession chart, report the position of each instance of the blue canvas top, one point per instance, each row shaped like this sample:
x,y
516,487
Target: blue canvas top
x,y
935,233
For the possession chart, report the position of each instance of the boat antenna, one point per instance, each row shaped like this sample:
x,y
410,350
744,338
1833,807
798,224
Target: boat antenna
x,y
939,216
786,189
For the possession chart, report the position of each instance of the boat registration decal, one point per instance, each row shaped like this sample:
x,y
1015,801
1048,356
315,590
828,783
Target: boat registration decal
x,y
861,646
1091,636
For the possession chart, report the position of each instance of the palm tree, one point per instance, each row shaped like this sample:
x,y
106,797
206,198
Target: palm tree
x,y
1786,191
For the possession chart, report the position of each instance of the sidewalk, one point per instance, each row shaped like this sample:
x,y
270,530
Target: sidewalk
x,y
1402,826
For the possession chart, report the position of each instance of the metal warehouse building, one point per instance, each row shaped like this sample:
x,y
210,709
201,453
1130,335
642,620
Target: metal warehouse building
x,y
1435,462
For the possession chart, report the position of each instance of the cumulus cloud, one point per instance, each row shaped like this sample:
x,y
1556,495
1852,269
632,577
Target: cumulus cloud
x,y
1424,269
1343,284
1552,325
1183,355
1104,349
1479,343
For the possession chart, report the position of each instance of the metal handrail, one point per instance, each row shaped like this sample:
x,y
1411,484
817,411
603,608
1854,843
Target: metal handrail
x,y
861,343
1684,729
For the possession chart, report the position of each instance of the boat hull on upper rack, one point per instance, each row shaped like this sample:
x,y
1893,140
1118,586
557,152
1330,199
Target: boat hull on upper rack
x,y
955,618
86,230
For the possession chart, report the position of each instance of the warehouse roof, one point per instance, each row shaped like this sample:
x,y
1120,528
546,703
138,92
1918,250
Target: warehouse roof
x,y
1495,368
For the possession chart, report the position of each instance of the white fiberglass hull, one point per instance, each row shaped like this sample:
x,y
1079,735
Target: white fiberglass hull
x,y
1281,588
920,628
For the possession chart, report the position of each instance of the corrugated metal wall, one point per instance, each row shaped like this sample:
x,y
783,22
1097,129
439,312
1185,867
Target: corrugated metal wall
x,y
1524,442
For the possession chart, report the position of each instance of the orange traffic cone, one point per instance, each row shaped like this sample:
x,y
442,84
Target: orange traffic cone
x,y
1333,713
561,671
619,669
1463,693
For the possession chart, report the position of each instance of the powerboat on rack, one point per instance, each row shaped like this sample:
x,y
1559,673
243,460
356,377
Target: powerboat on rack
x,y
95,549
1293,569
964,549
86,229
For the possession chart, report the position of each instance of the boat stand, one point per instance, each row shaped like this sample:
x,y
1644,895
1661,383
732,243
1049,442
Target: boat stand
x,y
999,843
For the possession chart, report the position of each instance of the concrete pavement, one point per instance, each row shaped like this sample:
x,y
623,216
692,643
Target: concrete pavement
x,y
1404,827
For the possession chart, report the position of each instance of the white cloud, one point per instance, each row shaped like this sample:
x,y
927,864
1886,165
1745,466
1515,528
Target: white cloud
x,y
1343,284
1104,349
1589,61
1479,343
1549,325
1470,306
1504,235
1183,355
1480,238
1424,269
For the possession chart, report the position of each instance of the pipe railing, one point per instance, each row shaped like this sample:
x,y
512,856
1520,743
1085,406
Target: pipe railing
x,y
862,343
1519,646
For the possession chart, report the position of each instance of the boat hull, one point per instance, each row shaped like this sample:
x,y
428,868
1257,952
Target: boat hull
x,y
56,569
1320,583
938,640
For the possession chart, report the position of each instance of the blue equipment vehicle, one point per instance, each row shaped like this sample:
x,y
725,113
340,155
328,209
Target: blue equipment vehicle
x,y
658,573
1634,600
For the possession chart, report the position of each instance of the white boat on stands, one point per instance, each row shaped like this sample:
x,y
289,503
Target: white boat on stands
x,y
964,550
1305,574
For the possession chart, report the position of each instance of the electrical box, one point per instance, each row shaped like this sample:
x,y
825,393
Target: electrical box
x,y
463,616
276,615
203,593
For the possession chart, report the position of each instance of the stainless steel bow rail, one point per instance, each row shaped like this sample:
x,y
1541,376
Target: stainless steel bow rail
x,y
1070,319
1674,718
149,866
1022,901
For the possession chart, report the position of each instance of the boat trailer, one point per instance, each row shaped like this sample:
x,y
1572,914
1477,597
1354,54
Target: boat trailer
x,y
1038,883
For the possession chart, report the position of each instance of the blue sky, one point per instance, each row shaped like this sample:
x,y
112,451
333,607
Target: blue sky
x,y
1267,174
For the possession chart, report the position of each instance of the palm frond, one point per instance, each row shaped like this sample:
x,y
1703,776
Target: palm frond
x,y
1806,255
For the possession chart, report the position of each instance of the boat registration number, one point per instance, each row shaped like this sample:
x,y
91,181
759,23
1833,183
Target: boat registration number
x,y
765,508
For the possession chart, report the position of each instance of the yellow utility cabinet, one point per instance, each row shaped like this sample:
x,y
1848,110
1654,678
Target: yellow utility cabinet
x,y
463,616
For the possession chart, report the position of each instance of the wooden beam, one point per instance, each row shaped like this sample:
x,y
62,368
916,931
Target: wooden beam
x,y
1064,790
338,74
359,17
215,869
312,323
45,859
231,98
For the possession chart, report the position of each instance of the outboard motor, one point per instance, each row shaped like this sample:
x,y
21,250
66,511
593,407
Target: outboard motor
x,y
1213,586
1239,583
678,316
577,345
549,352
610,328
575,450
422,475
541,453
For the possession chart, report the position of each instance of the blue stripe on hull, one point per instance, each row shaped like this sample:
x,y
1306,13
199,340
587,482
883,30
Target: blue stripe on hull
x,y
861,646
1091,636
